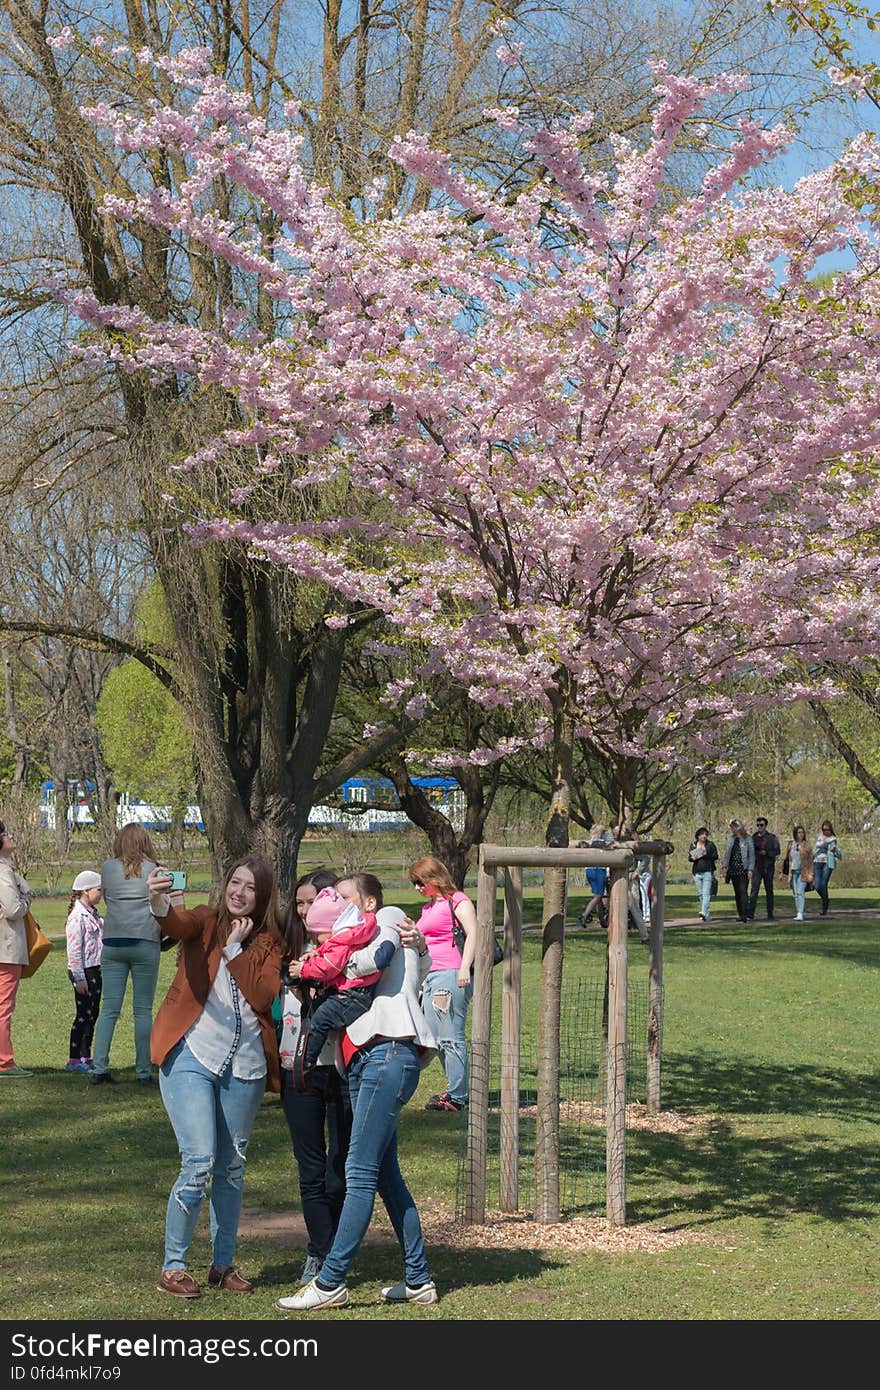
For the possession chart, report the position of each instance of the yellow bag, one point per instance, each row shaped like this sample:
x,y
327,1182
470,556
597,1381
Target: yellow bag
x,y
38,945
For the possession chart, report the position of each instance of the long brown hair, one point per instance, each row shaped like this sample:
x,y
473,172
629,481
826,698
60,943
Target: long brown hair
x,y
266,908
430,870
133,845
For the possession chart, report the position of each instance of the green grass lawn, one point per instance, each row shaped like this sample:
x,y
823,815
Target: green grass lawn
x,y
771,1029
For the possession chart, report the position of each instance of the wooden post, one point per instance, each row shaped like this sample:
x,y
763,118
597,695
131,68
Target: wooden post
x,y
481,1028
547,1207
615,1101
492,857
655,984
511,1004
603,1045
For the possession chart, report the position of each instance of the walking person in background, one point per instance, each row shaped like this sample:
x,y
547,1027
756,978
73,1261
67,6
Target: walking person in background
x,y
797,866
214,1041
15,899
703,856
596,879
131,948
766,848
84,941
826,857
447,989
738,863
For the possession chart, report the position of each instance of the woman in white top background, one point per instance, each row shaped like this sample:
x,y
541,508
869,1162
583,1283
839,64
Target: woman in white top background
x,y
826,857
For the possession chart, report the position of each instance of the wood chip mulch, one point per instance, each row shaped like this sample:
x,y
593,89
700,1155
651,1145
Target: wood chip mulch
x,y
585,1112
577,1234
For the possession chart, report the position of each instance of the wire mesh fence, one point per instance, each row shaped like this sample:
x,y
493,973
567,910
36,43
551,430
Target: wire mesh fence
x,y
510,1166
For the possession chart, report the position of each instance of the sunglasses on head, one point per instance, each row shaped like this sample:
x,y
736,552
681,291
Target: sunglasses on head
x,y
418,883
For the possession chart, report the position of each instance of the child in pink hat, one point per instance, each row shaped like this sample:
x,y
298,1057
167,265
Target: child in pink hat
x,y
341,928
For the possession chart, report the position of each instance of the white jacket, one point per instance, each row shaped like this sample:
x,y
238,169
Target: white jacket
x,y
396,1011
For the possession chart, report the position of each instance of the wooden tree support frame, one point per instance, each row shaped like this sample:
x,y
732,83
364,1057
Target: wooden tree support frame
x,y
512,860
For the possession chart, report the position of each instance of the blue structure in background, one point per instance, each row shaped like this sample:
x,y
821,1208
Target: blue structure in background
x,y
368,803
371,803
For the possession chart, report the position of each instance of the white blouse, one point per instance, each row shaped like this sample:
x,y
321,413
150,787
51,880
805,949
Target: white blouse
x,y
227,1030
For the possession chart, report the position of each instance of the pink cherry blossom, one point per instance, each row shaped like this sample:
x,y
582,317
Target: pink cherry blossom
x,y
622,475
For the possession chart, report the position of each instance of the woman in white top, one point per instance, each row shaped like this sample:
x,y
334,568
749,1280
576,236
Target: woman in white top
x,y
214,1041
826,857
15,897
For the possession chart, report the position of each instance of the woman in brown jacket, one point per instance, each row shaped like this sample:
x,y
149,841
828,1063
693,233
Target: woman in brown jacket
x,y
214,1042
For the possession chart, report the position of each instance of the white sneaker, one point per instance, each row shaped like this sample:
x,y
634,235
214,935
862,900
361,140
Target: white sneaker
x,y
402,1293
798,916
312,1298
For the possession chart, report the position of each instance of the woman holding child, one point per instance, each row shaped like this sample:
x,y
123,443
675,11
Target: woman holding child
x,y
317,1110
384,1051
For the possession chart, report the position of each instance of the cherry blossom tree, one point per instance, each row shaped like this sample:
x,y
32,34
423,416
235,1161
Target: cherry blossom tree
x,y
627,444
602,455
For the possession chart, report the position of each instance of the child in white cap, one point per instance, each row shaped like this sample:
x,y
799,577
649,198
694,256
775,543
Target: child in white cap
x,y
84,942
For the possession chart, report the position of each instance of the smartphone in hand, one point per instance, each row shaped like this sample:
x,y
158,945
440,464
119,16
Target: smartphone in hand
x,y
178,880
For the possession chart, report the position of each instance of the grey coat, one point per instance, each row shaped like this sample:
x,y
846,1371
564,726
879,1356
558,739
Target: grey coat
x,y
128,903
746,849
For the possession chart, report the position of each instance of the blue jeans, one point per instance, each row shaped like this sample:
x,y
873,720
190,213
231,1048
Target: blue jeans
x,y
446,1004
336,1010
821,875
381,1080
212,1117
799,892
704,889
141,961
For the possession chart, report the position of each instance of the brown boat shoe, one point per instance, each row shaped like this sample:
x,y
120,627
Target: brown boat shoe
x,y
178,1282
229,1279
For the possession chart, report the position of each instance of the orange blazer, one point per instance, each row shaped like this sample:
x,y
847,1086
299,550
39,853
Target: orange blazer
x,y
256,971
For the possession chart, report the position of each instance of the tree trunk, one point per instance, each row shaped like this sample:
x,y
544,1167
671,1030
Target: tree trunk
x,y
21,753
447,844
547,1135
58,768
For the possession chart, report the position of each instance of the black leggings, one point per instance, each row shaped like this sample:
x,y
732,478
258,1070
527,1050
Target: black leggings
x,y
319,1120
87,1006
740,884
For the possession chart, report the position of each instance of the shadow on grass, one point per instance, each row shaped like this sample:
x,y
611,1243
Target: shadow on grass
x,y
452,1267
739,1086
855,942
721,1175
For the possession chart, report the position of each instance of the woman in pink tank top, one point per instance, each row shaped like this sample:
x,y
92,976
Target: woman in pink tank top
x,y
447,989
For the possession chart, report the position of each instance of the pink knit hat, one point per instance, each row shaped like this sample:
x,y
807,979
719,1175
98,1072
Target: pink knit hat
x,y
324,911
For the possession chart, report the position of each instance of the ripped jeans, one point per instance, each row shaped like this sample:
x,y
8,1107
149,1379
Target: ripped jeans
x,y
212,1117
445,1004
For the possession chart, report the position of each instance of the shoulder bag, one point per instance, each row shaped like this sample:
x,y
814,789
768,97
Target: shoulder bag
x,y
459,936
38,945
